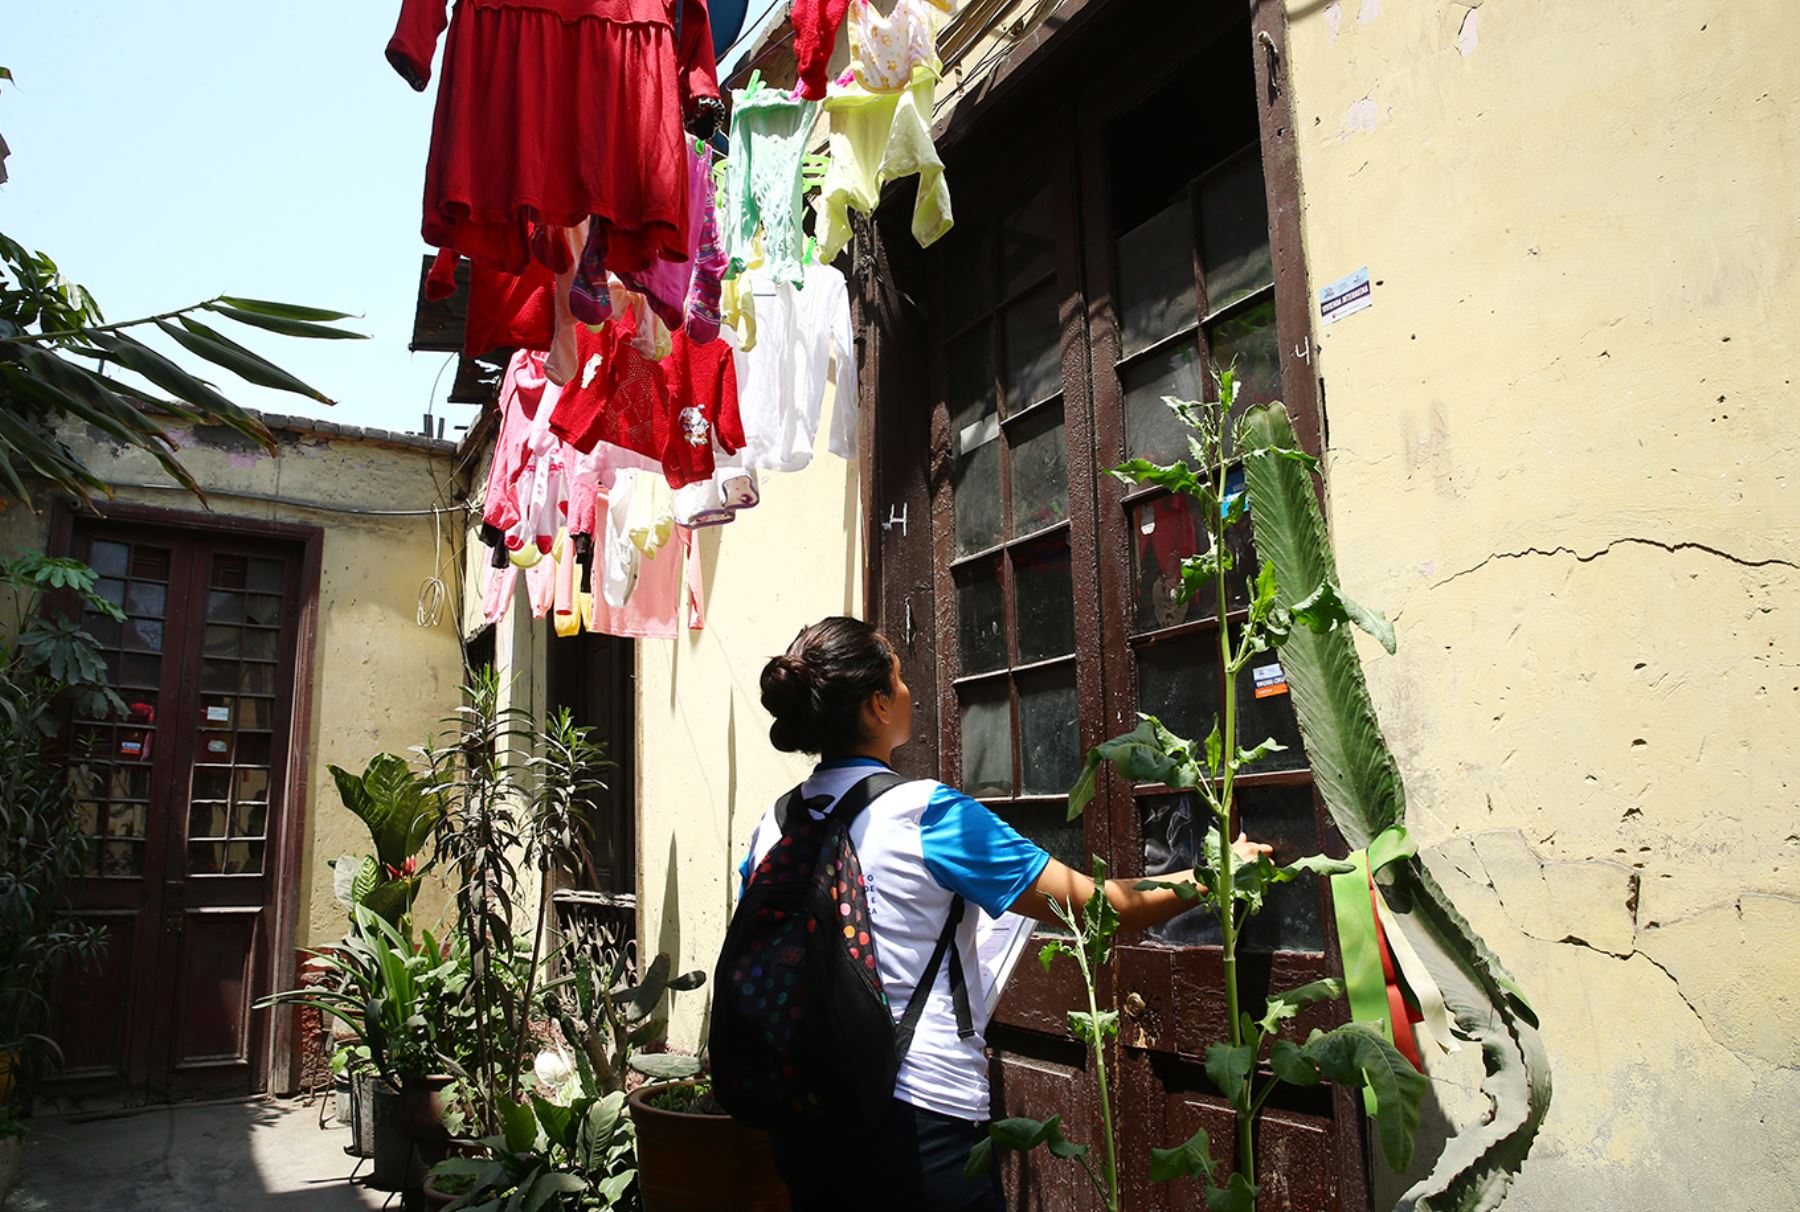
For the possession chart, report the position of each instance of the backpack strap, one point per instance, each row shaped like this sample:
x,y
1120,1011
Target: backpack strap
x,y
959,991
848,806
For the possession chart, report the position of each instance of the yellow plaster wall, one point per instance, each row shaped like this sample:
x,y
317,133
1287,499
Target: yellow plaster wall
x,y
706,770
1562,448
380,681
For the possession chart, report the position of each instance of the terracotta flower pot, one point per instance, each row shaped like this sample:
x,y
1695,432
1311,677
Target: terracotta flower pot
x,y
422,1107
702,1163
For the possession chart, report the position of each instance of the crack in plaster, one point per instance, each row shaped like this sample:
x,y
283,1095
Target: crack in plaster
x,y
1671,548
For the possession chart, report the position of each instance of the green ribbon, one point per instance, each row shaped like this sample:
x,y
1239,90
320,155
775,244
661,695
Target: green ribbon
x,y
1357,939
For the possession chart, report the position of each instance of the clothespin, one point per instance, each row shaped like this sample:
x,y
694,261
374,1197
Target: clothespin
x,y
812,250
755,83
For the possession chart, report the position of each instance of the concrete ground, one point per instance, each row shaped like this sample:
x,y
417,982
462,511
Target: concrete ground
x,y
265,1156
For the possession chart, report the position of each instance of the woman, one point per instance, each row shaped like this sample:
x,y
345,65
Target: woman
x,y
837,692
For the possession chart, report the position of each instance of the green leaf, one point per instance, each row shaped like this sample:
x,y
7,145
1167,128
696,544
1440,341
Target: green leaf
x,y
1314,864
1246,757
1187,890
1326,607
1198,571
1283,1006
246,364
1358,779
1215,748
555,1118
518,1124
687,981
1082,793
641,1000
284,311
1290,1064
981,1160
1061,1146
1174,476
1356,1054
1094,1029
1051,951
1190,1159
286,327
1236,1196
1228,1065
1022,1134
665,1066
134,355
364,881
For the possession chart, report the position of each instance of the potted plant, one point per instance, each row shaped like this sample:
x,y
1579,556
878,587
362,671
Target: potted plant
x,y
549,1156
694,1156
50,668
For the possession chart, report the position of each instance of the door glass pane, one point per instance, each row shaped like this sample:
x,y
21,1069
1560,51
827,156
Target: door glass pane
x,y
230,572
981,638
218,676
1151,430
242,858
986,741
975,433
1164,530
208,819
109,559
1157,295
251,785
144,635
108,631
127,820
1171,847
969,293
1249,339
222,641
145,597
1291,919
140,670
1048,825
1049,750
1033,336
122,859
1271,715
1040,471
1178,683
259,644
249,820
1234,232
206,858
212,782
263,609
255,713
254,677
1044,595
1027,243
224,607
266,575
113,591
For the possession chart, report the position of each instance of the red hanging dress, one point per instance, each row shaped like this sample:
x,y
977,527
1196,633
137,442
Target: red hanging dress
x,y
550,111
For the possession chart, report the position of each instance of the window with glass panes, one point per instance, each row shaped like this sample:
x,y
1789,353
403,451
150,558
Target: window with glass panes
x,y
1015,678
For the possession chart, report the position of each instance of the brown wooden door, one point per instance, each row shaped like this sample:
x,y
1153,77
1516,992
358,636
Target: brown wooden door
x,y
184,813
1117,239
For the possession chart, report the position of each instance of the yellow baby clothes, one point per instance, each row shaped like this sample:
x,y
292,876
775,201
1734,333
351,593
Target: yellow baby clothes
x,y
737,311
885,51
877,138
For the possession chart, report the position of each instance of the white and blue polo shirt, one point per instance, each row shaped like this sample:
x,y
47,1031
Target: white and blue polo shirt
x,y
920,845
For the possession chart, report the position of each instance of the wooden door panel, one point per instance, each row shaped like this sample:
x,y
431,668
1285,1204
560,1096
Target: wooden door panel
x,y
215,971
92,1007
1039,1088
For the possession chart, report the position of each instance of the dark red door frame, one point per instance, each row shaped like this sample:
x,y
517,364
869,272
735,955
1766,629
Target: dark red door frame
x,y
281,967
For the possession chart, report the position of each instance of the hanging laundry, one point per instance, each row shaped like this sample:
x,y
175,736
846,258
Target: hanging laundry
x,y
769,130
660,585
717,501
886,50
685,295
670,411
552,111
522,392
781,382
816,25
877,138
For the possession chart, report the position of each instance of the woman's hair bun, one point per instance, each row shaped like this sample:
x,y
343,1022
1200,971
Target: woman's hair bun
x,y
816,689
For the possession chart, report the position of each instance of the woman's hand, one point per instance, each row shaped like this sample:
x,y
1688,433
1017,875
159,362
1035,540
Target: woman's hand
x,y
1249,851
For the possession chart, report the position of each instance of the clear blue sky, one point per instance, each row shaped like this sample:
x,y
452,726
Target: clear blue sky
x,y
164,153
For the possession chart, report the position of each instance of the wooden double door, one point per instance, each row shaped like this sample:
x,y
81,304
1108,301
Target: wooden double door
x,y
183,807
1127,222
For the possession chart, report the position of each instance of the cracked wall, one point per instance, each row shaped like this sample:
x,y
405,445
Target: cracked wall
x,y
1562,446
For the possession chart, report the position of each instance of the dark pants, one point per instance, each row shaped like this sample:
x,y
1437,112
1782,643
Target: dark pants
x,y
912,1162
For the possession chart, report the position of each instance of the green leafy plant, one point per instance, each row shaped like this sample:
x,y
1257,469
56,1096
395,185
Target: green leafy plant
x,y
607,1018
1360,782
1234,887
49,668
550,1156
59,364
1093,928
400,814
